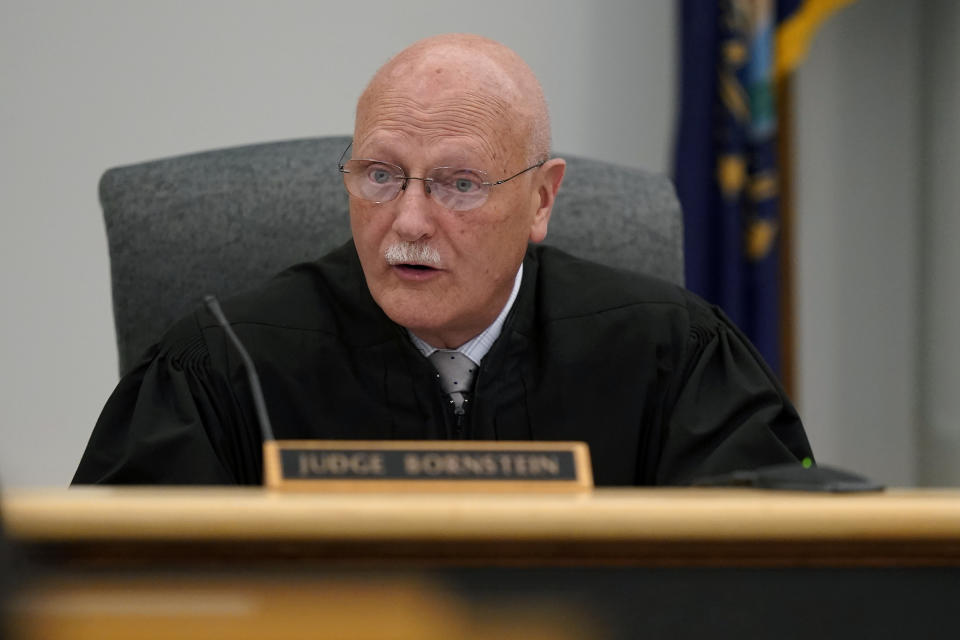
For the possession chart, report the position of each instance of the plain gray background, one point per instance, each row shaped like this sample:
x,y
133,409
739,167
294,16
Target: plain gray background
x,y
91,85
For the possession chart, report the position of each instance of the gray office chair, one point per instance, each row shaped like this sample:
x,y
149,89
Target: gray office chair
x,y
224,220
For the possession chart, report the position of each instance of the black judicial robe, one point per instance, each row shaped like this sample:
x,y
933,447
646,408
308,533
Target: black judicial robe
x,y
661,386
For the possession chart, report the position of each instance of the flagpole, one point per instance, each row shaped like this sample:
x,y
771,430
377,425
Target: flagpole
x,y
785,154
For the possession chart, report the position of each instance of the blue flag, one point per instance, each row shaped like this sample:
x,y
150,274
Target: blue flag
x,y
732,51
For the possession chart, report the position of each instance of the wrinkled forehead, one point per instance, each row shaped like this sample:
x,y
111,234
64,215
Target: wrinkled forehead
x,y
444,97
479,124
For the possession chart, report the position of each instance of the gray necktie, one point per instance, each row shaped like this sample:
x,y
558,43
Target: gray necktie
x,y
455,372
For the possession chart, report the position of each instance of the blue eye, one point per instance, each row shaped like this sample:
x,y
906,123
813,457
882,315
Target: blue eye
x,y
380,176
463,185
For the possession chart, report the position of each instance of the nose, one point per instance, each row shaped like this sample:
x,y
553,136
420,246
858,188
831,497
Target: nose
x,y
414,215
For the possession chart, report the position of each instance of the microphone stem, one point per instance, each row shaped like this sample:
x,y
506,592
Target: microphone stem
x,y
258,402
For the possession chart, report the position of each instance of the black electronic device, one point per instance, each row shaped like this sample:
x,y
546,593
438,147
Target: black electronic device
x,y
793,477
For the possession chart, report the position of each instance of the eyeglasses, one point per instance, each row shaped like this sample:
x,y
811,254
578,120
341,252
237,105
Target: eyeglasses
x,y
452,187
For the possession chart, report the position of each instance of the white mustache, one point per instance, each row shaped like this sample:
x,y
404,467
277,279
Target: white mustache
x,y
412,253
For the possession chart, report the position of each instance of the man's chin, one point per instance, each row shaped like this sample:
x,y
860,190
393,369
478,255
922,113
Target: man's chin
x,y
410,309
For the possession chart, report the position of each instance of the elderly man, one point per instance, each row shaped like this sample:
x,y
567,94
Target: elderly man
x,y
441,321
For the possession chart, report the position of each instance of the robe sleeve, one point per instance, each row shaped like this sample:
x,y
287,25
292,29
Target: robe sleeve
x,y
173,420
730,412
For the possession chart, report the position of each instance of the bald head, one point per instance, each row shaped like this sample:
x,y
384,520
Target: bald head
x,y
466,75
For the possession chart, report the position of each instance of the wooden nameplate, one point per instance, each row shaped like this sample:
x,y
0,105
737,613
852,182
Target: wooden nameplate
x,y
426,465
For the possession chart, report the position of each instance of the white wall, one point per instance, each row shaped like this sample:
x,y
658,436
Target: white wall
x,y
878,225
89,85
939,461
858,211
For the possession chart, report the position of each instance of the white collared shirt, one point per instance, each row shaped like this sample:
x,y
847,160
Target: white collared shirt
x,y
478,346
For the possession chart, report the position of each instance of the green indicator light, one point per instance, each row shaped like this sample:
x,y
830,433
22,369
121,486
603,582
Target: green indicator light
x,y
807,463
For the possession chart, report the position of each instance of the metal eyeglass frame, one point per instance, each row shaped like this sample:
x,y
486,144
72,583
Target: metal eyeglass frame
x,y
405,178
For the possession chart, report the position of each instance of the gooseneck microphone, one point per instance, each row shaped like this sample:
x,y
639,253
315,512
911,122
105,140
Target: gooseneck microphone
x,y
259,405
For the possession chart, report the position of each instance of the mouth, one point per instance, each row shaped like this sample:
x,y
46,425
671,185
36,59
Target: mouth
x,y
413,271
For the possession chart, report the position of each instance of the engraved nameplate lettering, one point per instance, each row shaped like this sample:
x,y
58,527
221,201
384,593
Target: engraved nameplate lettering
x,y
389,465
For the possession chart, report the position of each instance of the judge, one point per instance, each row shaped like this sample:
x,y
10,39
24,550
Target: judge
x,y
443,319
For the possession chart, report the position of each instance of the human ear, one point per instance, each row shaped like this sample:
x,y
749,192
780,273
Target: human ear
x,y
549,177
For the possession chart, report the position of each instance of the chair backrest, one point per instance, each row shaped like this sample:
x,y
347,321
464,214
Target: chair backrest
x,y
222,221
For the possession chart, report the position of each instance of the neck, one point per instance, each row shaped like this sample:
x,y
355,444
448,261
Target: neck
x,y
477,341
